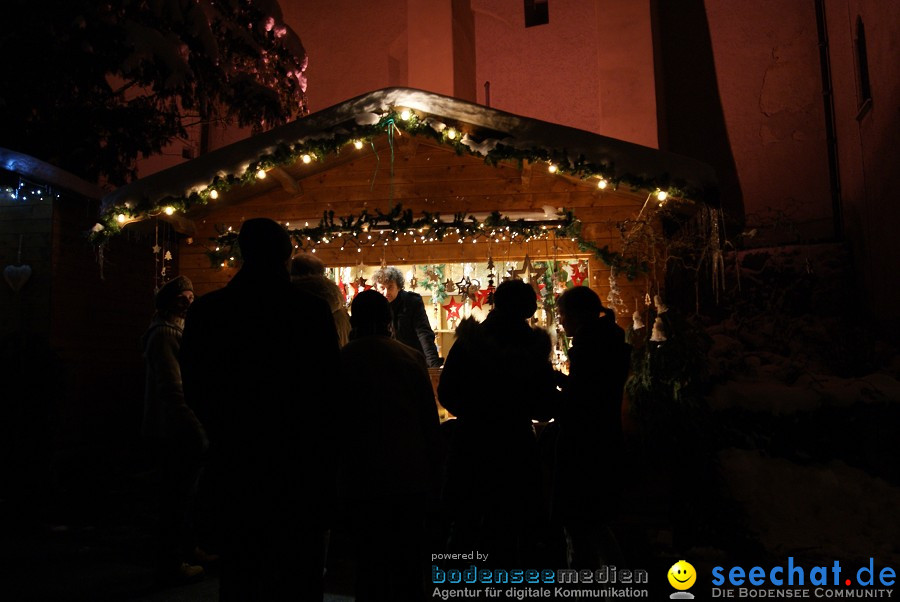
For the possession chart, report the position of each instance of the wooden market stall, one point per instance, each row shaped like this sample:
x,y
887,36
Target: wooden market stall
x,y
330,175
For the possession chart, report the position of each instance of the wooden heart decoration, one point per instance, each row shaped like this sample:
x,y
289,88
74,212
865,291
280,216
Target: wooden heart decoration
x,y
16,276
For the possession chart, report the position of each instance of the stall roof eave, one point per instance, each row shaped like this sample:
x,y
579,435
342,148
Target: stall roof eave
x,y
640,163
42,172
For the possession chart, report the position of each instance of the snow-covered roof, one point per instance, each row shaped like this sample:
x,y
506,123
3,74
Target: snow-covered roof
x,y
41,172
490,129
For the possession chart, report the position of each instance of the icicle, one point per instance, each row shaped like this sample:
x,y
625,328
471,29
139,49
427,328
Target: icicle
x,y
614,298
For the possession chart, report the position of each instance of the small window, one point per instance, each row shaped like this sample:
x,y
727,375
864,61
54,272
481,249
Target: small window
x,y
862,65
536,12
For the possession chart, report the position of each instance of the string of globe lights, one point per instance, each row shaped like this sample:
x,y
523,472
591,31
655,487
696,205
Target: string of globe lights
x,y
357,134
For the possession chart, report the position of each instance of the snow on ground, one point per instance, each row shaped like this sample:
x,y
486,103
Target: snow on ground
x,y
808,393
829,510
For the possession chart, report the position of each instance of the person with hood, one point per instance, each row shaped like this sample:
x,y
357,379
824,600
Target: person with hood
x,y
177,439
390,468
496,380
589,452
260,359
308,274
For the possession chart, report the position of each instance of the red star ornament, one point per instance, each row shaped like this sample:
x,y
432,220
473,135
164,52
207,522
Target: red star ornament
x,y
481,297
452,309
359,283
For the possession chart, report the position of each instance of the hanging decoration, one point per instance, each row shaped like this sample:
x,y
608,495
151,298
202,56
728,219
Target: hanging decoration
x,y
658,335
17,275
529,272
467,288
359,283
452,309
661,307
636,318
434,282
481,297
614,298
579,272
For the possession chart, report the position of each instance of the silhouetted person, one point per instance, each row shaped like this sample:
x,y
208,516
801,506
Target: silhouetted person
x,y
496,380
258,357
390,470
589,457
308,273
410,322
175,435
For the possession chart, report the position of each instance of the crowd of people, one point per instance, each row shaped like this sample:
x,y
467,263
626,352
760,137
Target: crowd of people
x,y
295,418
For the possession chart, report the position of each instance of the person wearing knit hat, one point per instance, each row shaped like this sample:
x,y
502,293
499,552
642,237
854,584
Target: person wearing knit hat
x,y
175,296
308,274
175,436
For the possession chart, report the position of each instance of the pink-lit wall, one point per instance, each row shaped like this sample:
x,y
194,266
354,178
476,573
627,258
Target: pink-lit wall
x,y
767,66
590,67
868,153
593,67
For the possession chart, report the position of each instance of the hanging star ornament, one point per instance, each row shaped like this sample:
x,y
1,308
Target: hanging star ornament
x,y
482,297
524,272
452,309
462,287
156,249
413,283
359,283
529,271
432,275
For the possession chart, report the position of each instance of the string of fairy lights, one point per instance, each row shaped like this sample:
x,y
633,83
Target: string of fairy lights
x,y
27,191
355,232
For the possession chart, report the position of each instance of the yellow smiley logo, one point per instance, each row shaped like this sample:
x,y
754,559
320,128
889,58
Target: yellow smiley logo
x,y
682,575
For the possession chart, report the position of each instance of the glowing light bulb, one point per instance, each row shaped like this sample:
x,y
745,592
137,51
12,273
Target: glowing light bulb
x,y
662,195
306,158
169,210
553,168
452,133
213,194
121,218
405,114
261,174
358,144
602,184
